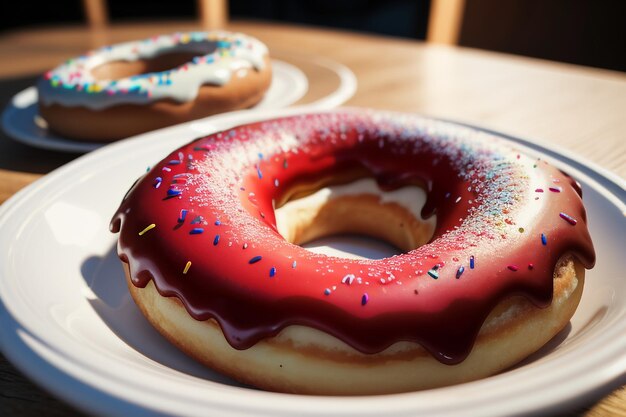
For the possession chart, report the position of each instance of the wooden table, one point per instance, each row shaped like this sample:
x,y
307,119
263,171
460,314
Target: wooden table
x,y
577,108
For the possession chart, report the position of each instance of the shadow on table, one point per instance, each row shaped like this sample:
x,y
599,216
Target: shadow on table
x,y
16,156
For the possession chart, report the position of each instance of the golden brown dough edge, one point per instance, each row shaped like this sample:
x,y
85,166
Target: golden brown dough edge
x,y
306,361
123,121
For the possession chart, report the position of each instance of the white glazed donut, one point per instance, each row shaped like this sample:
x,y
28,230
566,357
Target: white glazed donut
x,y
129,88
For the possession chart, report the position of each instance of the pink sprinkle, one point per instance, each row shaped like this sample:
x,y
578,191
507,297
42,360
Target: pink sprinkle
x,y
568,218
531,266
513,267
539,190
555,189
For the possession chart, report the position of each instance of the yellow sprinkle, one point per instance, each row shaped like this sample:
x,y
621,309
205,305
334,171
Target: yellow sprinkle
x,y
150,227
187,267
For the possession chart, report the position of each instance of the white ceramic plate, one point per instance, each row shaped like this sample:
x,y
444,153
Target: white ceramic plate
x,y
67,321
22,122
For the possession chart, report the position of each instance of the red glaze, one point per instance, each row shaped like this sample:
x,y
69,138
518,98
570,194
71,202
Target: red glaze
x,y
484,194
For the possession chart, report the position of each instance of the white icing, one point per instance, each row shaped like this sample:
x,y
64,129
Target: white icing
x,y
220,56
411,198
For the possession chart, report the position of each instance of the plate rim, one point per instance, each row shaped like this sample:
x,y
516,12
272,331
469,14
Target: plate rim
x,y
601,376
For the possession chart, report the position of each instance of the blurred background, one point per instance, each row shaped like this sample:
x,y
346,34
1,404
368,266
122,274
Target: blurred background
x,y
584,32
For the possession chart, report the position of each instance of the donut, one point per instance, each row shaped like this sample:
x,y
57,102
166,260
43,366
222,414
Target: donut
x,y
130,88
494,246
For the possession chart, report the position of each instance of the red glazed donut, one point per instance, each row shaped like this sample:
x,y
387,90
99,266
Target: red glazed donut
x,y
493,262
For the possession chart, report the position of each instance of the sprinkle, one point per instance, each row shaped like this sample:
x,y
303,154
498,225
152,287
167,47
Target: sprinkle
x,y
539,190
187,266
255,259
433,272
364,299
348,279
513,268
472,262
459,272
258,172
217,222
276,183
216,240
149,227
196,231
173,193
555,189
174,162
157,182
182,216
568,218
531,266
272,271
294,264
167,169
197,219
457,199
245,246
544,239
327,291
521,230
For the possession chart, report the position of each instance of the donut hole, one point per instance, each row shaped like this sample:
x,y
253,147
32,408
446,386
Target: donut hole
x,y
115,70
350,217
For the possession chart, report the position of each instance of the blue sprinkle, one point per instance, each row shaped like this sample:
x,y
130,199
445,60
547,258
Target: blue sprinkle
x,y
255,259
364,299
260,155
272,271
472,262
459,272
327,291
294,264
183,215
157,182
196,231
216,240
197,219
544,239
172,192
217,222
258,171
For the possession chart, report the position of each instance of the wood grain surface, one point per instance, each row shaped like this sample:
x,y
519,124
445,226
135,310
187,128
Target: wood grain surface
x,y
581,110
